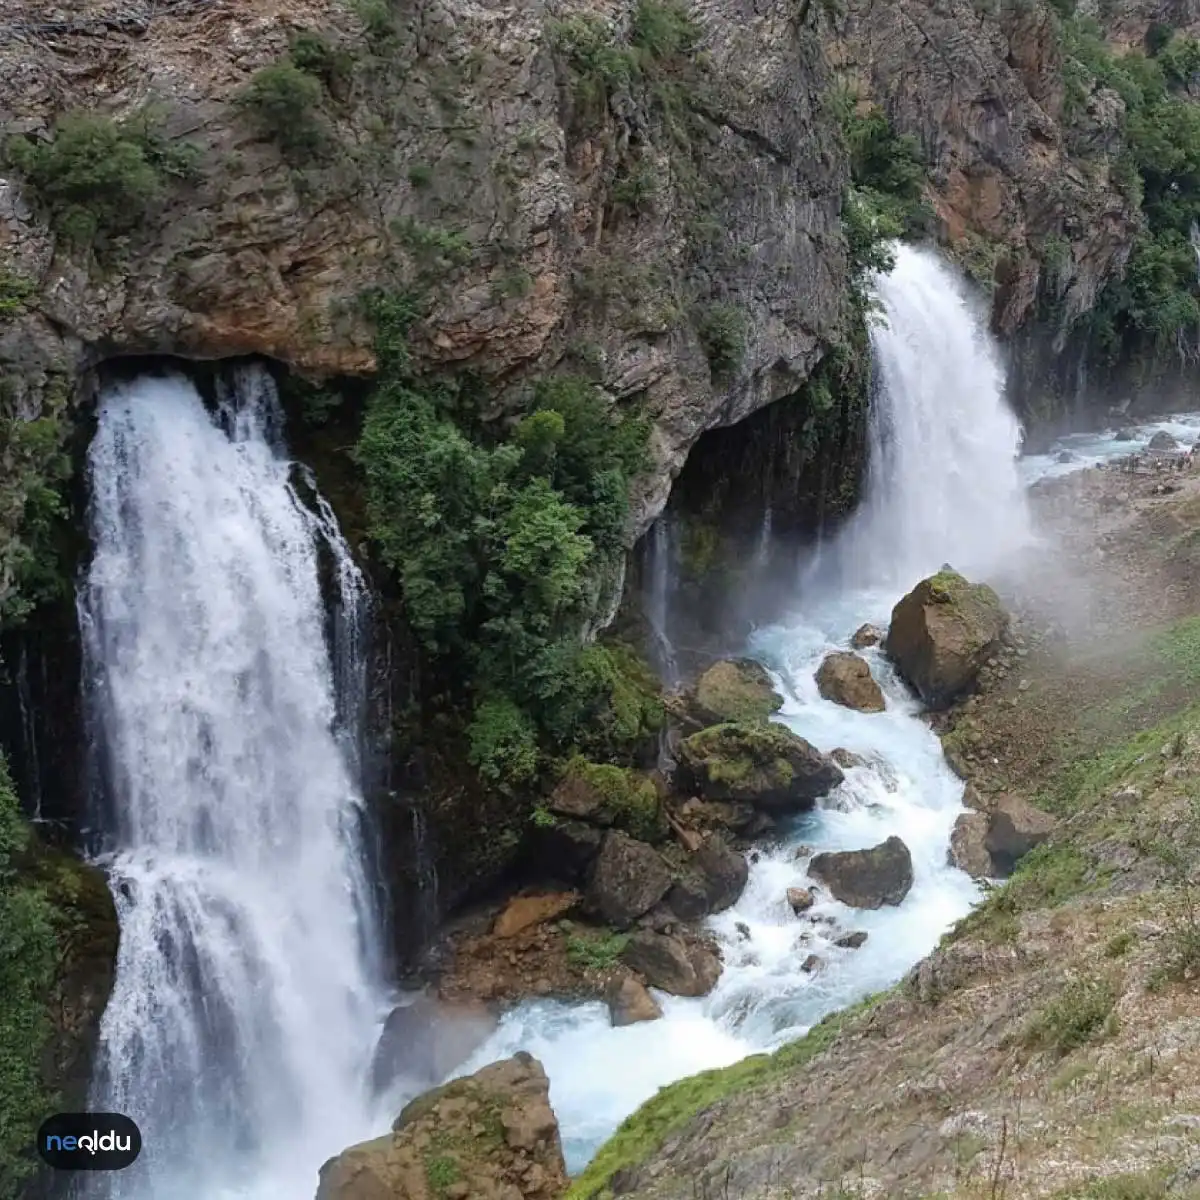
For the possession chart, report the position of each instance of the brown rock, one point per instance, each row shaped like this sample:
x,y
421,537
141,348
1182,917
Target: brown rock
x,y
990,843
968,845
800,899
522,912
852,941
524,1163
847,758
628,879
867,878
425,1040
846,679
629,1002
942,633
812,964
711,882
867,635
681,967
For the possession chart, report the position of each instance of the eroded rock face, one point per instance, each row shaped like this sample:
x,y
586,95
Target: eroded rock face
x,y
866,878
496,1137
942,633
736,690
846,679
765,765
628,879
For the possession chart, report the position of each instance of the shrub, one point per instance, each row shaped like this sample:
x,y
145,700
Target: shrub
x,y
663,30
1080,1012
722,331
420,175
15,292
596,951
285,102
311,52
503,742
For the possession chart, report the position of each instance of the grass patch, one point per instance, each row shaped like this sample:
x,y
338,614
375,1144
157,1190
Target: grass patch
x,y
595,952
1080,1013
1142,1185
641,1134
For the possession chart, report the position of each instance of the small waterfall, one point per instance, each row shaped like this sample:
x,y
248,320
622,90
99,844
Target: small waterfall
x,y
246,1001
762,549
943,483
662,571
1194,238
29,737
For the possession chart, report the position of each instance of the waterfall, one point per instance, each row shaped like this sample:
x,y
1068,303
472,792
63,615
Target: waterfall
x,y
943,483
661,571
762,549
246,1001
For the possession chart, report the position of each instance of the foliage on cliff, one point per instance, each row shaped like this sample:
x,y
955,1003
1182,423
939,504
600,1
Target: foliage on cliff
x,y
505,542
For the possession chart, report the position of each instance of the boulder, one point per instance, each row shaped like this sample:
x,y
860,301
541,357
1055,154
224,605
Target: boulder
x,y
678,966
1066,456
942,633
847,758
968,846
1162,440
988,844
521,1160
846,679
425,1040
867,635
606,795
566,849
812,964
800,899
629,1002
1124,435
523,912
742,820
765,765
628,879
710,883
852,941
866,878
736,689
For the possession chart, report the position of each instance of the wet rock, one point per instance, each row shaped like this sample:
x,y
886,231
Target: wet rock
x,y
743,931
847,759
765,765
523,912
712,881
846,679
673,964
1067,456
867,878
629,1002
1124,435
523,1162
425,1040
852,941
800,899
942,633
736,690
867,635
812,964
628,879
1162,440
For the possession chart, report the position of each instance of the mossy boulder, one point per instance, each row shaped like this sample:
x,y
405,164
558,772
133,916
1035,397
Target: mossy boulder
x,y
942,633
490,1136
736,689
762,764
607,795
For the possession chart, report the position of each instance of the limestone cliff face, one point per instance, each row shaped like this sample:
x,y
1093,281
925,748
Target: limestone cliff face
x,y
462,122
981,88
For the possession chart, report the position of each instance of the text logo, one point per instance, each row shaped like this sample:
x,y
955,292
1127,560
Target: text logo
x,y
89,1141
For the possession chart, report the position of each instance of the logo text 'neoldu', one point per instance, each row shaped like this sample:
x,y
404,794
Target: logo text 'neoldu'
x,y
89,1141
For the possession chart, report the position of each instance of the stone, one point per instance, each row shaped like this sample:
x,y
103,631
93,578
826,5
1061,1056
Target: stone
x,y
1067,456
1124,435
852,941
673,964
988,844
968,846
523,1162
812,964
565,849
846,679
629,1002
627,880
711,882
737,689
609,795
867,635
942,634
425,1040
523,912
1162,440
847,759
866,878
800,899
765,765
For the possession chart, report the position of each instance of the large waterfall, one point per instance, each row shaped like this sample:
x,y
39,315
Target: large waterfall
x,y
247,994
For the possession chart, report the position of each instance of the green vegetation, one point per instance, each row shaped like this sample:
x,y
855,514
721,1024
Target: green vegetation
x,y
28,957
630,797
437,250
1081,1012
441,1172
285,103
311,52
641,1134
15,292
595,951
722,331
503,540
98,179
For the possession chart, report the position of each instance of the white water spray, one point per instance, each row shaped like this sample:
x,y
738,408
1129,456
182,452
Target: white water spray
x,y
246,1002
943,482
661,569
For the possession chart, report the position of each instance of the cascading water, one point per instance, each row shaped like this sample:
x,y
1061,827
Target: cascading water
x,y
661,567
246,1001
943,485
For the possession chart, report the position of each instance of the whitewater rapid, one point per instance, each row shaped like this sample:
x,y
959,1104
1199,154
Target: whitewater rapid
x,y
248,986
943,485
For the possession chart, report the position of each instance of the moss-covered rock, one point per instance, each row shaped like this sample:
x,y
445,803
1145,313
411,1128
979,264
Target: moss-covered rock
x,y
942,633
766,765
607,795
736,689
